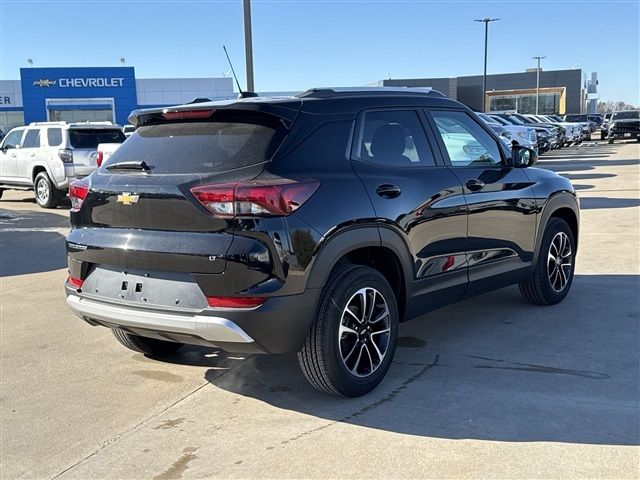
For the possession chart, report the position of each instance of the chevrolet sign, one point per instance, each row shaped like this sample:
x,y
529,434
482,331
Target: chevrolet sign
x,y
44,83
90,82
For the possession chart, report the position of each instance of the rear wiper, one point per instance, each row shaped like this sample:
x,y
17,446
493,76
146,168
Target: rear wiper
x,y
132,165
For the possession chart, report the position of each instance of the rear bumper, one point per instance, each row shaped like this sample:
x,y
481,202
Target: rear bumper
x,y
280,325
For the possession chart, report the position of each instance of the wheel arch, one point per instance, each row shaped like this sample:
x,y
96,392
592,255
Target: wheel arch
x,y
36,169
378,248
563,205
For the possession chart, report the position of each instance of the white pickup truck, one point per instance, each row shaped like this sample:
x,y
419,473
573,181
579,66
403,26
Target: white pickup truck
x,y
104,151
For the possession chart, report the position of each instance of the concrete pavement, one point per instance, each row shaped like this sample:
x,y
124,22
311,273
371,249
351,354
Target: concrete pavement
x,y
492,387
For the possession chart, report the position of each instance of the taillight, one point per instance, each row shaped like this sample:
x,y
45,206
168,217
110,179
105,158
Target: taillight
x,y
75,282
99,157
78,191
262,199
185,114
235,302
66,155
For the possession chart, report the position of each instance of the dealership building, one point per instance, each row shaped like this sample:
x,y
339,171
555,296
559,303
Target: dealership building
x,y
111,93
96,94
561,91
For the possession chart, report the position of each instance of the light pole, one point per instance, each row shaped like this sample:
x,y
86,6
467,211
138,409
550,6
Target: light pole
x,y
538,82
248,48
486,21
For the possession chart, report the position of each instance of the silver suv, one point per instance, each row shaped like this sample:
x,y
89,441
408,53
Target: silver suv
x,y
47,156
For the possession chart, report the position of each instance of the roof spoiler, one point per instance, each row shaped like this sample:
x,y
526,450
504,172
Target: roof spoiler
x,y
286,112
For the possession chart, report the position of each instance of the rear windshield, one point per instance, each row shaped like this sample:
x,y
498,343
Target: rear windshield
x,y
201,147
576,118
88,138
626,115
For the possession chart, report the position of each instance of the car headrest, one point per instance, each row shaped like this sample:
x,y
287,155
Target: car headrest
x,y
388,140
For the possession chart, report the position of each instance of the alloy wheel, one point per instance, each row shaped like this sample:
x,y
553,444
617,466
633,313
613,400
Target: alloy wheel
x,y
365,329
559,261
42,190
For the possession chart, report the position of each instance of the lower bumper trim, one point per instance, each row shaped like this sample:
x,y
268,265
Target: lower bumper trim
x,y
210,328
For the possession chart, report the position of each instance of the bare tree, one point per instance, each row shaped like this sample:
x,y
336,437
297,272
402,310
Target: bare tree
x,y
611,106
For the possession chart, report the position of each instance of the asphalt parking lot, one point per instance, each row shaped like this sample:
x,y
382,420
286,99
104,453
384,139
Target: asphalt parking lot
x,y
492,387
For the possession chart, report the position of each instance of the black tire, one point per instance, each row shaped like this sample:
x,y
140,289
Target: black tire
x,y
539,288
610,141
148,346
47,195
603,136
1,192
321,357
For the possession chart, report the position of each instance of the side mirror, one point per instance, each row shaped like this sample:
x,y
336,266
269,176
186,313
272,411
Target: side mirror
x,y
523,157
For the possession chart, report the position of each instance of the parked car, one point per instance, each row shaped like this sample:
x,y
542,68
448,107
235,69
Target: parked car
x,y
604,128
104,151
588,127
47,156
311,224
128,130
572,131
625,124
595,118
548,136
515,134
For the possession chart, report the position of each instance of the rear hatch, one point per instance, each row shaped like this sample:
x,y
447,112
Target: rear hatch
x,y
84,141
140,213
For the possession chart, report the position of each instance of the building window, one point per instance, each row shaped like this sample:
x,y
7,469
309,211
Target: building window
x,y
549,103
9,120
80,115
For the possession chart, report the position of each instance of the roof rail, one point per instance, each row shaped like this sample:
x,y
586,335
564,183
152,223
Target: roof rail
x,y
44,124
360,91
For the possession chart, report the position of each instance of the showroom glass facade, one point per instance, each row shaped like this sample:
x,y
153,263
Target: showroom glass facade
x,y
10,119
549,103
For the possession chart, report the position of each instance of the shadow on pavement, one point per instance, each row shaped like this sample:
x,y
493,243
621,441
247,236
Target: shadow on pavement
x,y
31,242
590,203
587,176
65,203
491,368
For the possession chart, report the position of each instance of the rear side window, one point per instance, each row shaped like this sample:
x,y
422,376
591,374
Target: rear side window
x,y
54,137
394,138
201,147
32,139
90,138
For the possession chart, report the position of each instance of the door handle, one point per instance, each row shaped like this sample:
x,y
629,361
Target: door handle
x,y
32,154
387,190
12,155
474,184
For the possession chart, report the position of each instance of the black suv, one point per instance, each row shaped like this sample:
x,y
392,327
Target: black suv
x,y
311,224
623,125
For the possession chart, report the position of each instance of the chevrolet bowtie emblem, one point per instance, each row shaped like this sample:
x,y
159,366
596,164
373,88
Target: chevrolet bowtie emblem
x,y
128,199
44,83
